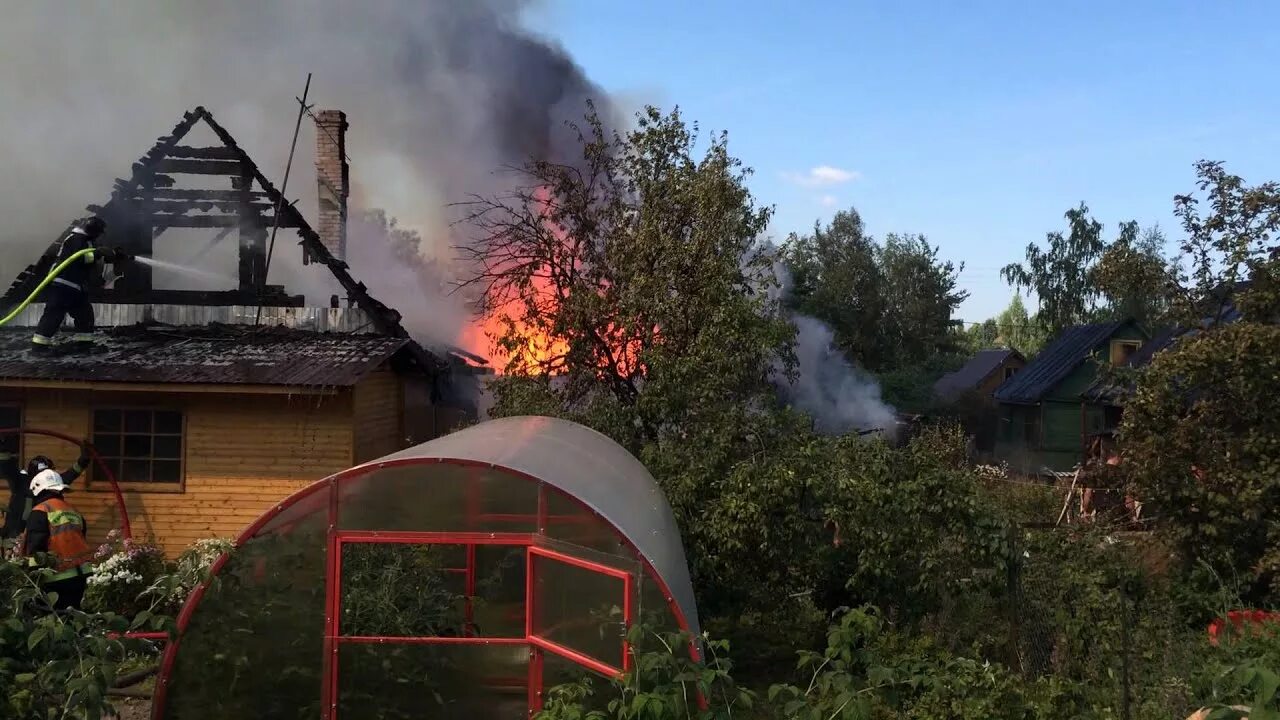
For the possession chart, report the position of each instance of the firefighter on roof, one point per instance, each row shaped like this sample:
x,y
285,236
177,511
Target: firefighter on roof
x,y
68,294
56,528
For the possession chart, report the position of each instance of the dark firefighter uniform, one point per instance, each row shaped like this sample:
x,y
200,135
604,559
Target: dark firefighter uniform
x,y
68,294
19,482
57,528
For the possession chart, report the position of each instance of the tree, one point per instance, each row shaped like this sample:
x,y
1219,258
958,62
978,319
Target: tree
x,y
921,296
836,278
888,304
1135,278
635,279
982,336
1017,330
1200,435
1060,275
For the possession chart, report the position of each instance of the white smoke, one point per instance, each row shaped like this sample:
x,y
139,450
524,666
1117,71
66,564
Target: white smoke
x,y
838,396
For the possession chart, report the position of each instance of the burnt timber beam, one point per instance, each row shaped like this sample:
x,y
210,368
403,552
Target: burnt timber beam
x,y
206,195
179,207
198,167
203,153
214,221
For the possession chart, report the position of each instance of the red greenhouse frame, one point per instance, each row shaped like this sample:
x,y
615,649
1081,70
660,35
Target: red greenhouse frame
x,y
517,440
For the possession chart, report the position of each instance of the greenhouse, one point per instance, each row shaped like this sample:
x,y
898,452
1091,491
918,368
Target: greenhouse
x,y
460,578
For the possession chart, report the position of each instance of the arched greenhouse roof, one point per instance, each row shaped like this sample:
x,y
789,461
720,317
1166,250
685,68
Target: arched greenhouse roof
x,y
591,468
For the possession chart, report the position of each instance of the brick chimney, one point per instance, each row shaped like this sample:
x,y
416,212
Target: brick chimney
x,y
332,180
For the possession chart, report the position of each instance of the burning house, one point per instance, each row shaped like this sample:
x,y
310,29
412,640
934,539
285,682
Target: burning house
x,y
209,405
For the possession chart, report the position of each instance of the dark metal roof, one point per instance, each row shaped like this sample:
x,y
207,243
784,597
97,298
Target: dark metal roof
x,y
588,466
212,354
1107,390
974,372
1055,362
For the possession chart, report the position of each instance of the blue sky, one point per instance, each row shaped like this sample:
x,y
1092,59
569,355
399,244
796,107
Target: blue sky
x,y
975,123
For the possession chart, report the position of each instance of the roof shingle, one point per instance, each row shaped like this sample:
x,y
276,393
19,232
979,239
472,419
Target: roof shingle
x,y
214,354
1055,362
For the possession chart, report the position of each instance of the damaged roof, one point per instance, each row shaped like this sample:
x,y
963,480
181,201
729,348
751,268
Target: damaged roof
x,y
209,354
974,372
1055,362
148,169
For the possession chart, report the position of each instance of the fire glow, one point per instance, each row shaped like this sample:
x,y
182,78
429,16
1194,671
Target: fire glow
x,y
538,351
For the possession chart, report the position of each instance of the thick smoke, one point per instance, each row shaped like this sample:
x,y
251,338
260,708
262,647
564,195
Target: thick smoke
x,y
839,397
440,95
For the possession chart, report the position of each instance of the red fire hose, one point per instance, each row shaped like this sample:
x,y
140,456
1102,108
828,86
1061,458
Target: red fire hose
x,y
106,471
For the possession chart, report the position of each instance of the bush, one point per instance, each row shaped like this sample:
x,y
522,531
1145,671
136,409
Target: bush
x,y
58,665
124,571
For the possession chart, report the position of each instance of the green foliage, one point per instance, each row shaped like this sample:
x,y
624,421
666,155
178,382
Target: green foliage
x,y
1060,274
888,304
913,527
1018,330
1079,277
909,387
1201,444
1136,278
56,665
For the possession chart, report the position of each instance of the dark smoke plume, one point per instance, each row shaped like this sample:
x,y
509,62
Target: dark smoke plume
x,y
440,94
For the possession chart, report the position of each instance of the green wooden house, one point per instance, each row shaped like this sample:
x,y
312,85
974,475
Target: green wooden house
x,y
1045,421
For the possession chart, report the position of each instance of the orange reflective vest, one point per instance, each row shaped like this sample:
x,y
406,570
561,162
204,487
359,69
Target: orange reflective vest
x,y
66,537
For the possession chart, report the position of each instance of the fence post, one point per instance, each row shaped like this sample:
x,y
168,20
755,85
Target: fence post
x,y
1126,694
1011,591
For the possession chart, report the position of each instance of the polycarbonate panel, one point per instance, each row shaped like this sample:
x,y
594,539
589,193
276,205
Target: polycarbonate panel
x,y
254,646
437,497
587,466
394,590
445,682
498,606
557,672
580,609
569,521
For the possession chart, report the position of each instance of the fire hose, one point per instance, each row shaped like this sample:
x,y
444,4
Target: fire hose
x,y
101,465
53,274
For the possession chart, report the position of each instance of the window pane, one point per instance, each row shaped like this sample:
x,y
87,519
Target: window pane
x,y
137,421
168,422
580,609
453,682
498,606
135,471
113,464
137,446
168,446
10,416
107,445
106,421
395,590
167,471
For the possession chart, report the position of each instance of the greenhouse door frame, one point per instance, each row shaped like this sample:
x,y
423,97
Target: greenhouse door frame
x,y
536,644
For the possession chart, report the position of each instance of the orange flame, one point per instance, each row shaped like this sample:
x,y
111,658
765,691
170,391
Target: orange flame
x,y
539,350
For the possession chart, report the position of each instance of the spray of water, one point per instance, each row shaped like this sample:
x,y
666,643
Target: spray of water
x,y
230,282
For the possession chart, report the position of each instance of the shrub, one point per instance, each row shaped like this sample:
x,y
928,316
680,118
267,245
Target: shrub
x,y
125,570
57,665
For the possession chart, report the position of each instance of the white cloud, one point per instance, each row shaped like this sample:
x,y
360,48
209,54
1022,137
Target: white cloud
x,y
828,201
821,176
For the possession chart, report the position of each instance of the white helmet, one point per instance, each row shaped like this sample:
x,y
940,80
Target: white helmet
x,y
47,480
